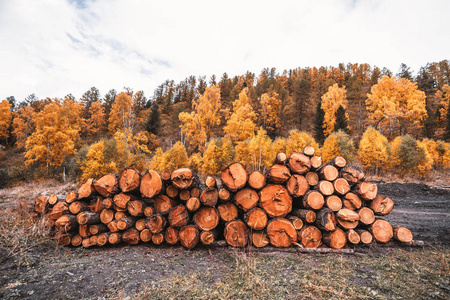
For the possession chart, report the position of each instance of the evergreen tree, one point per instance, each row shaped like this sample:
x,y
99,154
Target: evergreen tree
x,y
447,130
154,120
341,120
318,123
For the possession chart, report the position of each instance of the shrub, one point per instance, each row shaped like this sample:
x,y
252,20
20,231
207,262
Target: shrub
x,y
409,156
373,150
298,140
338,143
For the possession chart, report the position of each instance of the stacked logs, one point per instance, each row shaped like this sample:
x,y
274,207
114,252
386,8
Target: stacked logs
x,y
299,201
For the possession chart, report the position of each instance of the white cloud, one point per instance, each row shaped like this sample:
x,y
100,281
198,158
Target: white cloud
x,y
52,47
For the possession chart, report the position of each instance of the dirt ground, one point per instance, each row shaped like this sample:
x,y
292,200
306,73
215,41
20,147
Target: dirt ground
x,y
150,272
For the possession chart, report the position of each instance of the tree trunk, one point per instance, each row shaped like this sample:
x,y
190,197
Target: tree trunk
x,y
352,174
297,185
299,163
341,186
382,205
234,177
310,237
189,236
382,231
207,218
156,223
236,233
336,239
209,196
275,201
178,216
259,239
333,202
130,180
403,234
171,235
151,184
131,236
193,204
108,185
352,201
326,220
246,199
353,237
313,200
281,233
256,180
328,172
347,219
278,174
88,218
164,204
86,189
183,178
227,211
256,219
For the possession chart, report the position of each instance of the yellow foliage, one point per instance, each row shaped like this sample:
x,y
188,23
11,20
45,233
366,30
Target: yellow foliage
x,y
241,125
196,161
57,130
394,160
338,143
157,161
257,153
298,140
410,156
373,150
5,119
122,116
439,151
444,99
199,124
279,145
95,165
426,163
23,125
396,102
218,155
331,101
174,158
270,104
97,119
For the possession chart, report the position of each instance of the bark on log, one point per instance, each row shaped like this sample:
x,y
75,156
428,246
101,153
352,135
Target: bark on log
x,y
275,201
41,204
178,216
115,238
333,202
189,236
158,238
88,218
297,185
227,211
185,195
171,235
151,184
121,201
259,239
208,237
381,230
382,205
234,177
172,191
207,218
236,233
335,239
129,180
77,207
366,236
313,200
67,222
352,201
403,234
131,236
310,237
352,174
86,189
246,199
278,174
296,222
326,220
126,223
299,163
256,180
256,218
307,216
209,196
281,233
108,185
183,178
97,229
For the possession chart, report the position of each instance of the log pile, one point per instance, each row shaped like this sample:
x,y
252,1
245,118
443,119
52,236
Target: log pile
x,y
298,202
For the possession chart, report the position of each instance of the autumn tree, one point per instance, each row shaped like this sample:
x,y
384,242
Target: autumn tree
x,y
57,130
443,97
241,124
409,156
5,119
23,125
331,101
298,140
257,153
373,150
198,125
108,102
219,153
96,119
338,143
396,103
122,116
139,109
89,97
270,104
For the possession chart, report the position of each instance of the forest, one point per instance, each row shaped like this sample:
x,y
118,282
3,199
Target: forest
x,y
382,121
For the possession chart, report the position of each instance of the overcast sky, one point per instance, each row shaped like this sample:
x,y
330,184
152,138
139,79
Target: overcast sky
x,y
55,47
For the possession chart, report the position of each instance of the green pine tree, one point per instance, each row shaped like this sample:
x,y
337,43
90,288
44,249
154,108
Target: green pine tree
x,y
341,120
318,123
154,120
